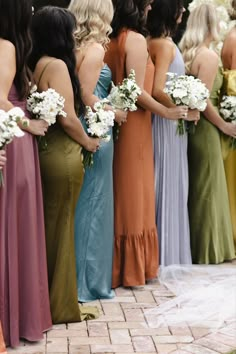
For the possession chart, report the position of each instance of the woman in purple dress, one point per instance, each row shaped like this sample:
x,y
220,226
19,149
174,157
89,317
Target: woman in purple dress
x,y
24,299
170,149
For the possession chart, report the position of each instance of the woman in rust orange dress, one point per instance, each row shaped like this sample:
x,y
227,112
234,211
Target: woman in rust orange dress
x,y
136,247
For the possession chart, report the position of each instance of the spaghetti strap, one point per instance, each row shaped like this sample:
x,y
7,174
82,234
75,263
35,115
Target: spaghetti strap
x,y
43,71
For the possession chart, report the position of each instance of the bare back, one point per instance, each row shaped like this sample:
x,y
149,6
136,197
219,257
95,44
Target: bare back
x,y
229,50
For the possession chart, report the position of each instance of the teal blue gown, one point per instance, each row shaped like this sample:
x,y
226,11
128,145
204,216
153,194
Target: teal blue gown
x,y
94,220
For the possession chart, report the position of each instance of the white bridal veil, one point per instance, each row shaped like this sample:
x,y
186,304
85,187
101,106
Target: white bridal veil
x,y
200,296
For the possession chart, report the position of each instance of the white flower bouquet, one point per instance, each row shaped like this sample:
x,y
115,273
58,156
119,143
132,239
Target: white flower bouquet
x,y
228,112
98,123
46,105
124,96
188,91
9,128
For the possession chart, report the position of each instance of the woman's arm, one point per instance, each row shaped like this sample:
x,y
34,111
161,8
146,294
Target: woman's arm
x,y
57,76
7,74
2,158
207,67
229,51
162,53
136,58
88,72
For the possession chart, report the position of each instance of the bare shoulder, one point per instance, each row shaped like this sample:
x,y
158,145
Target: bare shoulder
x,y
161,45
135,42
51,67
96,47
7,46
229,43
136,38
207,57
231,36
95,52
57,64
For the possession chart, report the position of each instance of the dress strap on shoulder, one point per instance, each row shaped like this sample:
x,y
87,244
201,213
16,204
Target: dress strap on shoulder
x,y
43,70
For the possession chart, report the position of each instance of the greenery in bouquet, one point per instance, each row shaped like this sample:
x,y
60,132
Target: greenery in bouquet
x,y
124,97
228,113
9,128
99,122
186,90
46,105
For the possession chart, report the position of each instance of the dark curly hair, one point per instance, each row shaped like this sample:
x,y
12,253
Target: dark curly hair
x,y
52,35
15,20
162,18
129,14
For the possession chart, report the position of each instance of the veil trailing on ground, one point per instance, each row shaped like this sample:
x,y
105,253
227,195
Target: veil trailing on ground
x,y
200,296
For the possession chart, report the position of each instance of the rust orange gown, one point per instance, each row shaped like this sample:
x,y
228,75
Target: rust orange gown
x,y
136,246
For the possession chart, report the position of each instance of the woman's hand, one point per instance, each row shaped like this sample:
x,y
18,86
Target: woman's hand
x,y
37,127
178,112
3,158
120,116
228,129
92,144
193,115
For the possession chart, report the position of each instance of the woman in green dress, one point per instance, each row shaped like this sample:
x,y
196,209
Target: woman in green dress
x,y
53,62
210,224
228,56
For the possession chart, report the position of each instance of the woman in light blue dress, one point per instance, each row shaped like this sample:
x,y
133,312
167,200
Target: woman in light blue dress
x,y
170,149
94,226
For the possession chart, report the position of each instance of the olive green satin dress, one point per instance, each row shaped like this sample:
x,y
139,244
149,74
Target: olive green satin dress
x,y
209,213
62,177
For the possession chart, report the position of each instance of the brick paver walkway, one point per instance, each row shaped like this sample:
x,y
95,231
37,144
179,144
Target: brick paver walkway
x,y
124,328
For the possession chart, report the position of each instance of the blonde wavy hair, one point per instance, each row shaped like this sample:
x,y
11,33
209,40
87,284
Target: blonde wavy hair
x,y
202,22
93,21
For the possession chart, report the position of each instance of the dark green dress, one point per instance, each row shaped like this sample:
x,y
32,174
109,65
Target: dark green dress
x,y
62,177
209,214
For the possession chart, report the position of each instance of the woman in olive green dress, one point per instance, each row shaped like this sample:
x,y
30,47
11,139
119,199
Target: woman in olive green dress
x,y
228,56
53,63
210,224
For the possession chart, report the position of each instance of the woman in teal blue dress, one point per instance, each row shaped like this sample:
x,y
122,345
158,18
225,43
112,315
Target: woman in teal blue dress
x,y
94,226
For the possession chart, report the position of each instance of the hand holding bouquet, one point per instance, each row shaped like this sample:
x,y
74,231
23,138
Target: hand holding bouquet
x,y
9,128
46,105
124,96
99,123
228,112
188,91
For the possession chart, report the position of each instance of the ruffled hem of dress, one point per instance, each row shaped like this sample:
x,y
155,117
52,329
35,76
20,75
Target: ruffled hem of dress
x,y
135,258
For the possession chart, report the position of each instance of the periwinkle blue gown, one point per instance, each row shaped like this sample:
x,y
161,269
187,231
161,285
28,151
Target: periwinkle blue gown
x,y
94,225
171,185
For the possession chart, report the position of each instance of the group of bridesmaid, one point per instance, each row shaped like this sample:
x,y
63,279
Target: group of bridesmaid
x,y
69,234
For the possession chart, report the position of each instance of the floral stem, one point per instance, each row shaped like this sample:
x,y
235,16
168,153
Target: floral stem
x,y
233,143
1,179
181,127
